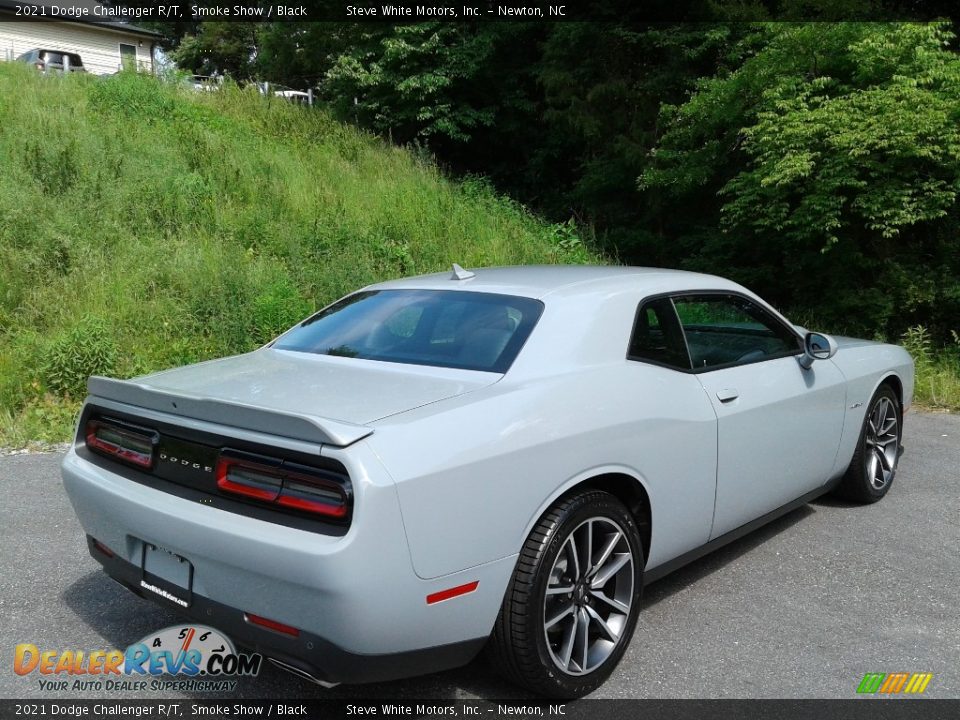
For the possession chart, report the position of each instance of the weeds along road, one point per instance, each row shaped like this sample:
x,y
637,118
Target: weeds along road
x,y
801,608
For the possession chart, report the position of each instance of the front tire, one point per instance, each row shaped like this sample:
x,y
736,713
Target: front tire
x,y
874,463
572,603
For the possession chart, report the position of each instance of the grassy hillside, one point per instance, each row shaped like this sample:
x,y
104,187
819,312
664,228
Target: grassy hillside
x,y
144,226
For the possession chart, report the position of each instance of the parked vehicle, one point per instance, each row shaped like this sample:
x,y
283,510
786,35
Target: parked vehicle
x,y
285,92
497,458
203,83
294,96
53,60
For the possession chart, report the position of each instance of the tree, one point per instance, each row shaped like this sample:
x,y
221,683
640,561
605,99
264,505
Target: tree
x,y
300,54
409,81
835,153
603,85
228,48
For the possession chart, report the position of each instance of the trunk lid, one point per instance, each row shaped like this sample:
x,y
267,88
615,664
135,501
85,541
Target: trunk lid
x,y
334,394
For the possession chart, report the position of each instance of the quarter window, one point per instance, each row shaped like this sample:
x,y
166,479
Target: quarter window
x,y
657,336
725,330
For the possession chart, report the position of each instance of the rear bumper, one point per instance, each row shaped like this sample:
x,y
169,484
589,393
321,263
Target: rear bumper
x,y
307,653
359,606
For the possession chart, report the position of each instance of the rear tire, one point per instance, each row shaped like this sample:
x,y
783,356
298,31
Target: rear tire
x,y
572,603
874,463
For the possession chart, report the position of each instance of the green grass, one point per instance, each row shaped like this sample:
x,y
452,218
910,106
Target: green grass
x,y
937,370
144,226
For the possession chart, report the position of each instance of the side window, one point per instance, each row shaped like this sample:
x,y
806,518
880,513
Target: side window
x,y
657,336
729,330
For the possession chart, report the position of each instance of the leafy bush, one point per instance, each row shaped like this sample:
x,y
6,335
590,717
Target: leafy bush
x,y
86,349
937,369
278,307
55,167
833,152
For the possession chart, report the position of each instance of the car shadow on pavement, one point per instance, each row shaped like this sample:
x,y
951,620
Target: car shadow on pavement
x,y
838,502
113,612
709,564
122,618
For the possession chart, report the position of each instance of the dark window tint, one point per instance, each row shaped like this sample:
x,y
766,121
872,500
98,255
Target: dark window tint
x,y
54,57
448,328
657,336
729,329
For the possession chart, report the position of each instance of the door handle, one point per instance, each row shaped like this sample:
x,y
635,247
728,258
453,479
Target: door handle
x,y
727,394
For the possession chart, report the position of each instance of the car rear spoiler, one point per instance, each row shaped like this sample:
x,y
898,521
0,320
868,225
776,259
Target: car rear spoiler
x,y
299,426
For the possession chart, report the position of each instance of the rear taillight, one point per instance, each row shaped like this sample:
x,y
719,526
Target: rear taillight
x,y
279,482
130,444
252,479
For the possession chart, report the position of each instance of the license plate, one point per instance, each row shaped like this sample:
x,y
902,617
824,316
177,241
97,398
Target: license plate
x,y
166,575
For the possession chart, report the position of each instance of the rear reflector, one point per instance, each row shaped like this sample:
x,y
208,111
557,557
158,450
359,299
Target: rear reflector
x,y
127,443
103,548
452,592
271,624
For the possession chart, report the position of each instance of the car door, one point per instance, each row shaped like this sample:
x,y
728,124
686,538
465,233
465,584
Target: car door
x,y
778,425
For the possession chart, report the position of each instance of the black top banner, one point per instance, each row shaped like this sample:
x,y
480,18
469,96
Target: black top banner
x,y
640,11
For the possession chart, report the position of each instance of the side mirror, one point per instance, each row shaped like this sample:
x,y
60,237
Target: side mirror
x,y
817,346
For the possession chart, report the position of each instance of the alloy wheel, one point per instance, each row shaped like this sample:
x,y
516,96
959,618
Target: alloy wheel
x,y
589,596
882,440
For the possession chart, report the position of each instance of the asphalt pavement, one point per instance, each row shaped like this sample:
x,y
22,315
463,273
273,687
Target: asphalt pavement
x,y
802,608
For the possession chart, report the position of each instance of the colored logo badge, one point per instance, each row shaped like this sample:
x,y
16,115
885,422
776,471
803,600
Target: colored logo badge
x,y
894,683
188,650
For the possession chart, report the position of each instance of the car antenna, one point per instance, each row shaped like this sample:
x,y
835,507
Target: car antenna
x,y
460,274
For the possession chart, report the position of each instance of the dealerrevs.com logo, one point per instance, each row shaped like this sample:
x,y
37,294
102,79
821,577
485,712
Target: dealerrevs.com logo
x,y
181,657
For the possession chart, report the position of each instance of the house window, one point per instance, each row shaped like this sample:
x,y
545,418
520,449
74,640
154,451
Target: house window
x,y
128,57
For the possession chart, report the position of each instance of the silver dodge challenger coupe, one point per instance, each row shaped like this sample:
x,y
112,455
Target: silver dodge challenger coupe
x,y
494,459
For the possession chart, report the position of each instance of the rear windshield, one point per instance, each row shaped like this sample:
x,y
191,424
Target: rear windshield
x,y
446,328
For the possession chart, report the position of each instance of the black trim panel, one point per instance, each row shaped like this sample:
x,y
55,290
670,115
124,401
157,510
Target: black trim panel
x,y
221,502
308,653
192,477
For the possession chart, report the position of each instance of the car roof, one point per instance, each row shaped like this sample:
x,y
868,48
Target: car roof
x,y
538,281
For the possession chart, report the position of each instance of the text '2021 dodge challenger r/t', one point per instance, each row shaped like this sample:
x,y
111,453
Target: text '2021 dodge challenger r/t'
x,y
499,458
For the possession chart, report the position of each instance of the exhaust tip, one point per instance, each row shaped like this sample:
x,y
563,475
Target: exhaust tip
x,y
301,673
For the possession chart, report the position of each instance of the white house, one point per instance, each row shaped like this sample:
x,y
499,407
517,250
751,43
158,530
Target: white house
x,y
104,45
